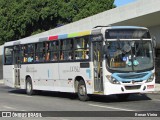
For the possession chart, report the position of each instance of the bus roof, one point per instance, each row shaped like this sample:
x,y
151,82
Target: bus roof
x,y
127,27
96,30
48,38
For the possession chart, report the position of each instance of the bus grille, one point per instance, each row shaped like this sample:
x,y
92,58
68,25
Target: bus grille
x,y
132,76
133,87
131,81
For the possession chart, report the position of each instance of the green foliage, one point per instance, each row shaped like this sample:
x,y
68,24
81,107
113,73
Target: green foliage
x,y
22,18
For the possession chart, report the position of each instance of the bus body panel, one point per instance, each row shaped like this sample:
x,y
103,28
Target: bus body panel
x,y
47,76
9,75
42,75
68,72
117,89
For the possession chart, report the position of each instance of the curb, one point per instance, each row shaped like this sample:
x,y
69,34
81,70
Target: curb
x,y
157,88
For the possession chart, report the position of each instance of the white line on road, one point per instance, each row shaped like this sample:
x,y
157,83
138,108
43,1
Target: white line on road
x,y
23,110
20,95
11,108
111,107
156,100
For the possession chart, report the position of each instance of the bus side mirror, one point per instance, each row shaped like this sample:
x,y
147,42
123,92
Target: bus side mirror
x,y
154,42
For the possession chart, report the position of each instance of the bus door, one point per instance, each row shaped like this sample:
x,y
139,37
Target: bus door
x,y
97,62
17,65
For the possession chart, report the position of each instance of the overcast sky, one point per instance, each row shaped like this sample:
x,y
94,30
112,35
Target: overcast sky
x,y
122,2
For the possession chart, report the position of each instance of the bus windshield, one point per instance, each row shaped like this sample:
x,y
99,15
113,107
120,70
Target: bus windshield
x,y
128,56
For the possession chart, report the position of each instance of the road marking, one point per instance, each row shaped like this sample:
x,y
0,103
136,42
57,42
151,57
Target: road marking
x,y
64,119
9,107
20,95
111,107
156,100
12,108
23,110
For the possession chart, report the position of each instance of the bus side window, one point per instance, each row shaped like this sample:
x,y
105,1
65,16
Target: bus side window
x,y
81,46
8,55
66,49
40,51
53,50
25,59
62,56
47,56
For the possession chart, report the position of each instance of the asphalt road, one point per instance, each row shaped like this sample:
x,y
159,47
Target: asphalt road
x,y
17,100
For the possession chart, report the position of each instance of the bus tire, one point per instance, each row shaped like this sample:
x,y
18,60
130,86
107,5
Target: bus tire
x,y
122,97
29,87
82,91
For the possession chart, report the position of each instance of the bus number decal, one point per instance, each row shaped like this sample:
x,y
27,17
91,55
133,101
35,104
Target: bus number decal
x,y
74,69
30,69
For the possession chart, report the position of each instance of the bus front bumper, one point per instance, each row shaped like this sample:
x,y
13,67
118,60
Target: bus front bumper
x,y
128,88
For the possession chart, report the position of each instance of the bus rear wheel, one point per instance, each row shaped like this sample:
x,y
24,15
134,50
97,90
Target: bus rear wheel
x,y
29,87
82,91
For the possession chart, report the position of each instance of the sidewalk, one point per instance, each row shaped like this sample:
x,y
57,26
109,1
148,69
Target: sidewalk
x,y
1,81
157,88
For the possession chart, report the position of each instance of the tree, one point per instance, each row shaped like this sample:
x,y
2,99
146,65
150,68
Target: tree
x,y
22,18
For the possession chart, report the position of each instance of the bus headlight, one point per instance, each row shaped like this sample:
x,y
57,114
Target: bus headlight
x,y
112,80
150,79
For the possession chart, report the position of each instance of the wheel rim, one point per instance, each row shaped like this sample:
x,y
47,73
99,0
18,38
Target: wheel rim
x,y
28,87
82,90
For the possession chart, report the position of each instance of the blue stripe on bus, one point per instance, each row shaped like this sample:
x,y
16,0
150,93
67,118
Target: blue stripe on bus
x,y
116,76
88,72
62,36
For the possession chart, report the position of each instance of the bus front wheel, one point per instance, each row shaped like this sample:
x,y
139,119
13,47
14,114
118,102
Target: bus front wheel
x,y
29,87
82,91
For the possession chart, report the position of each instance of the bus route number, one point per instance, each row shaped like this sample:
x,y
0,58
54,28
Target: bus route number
x,y
74,69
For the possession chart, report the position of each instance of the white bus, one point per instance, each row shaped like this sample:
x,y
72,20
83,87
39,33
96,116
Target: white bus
x,y
105,60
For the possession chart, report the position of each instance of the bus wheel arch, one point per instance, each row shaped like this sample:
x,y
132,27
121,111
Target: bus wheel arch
x,y
80,88
29,85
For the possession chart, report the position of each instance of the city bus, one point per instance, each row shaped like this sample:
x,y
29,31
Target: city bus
x,y
106,60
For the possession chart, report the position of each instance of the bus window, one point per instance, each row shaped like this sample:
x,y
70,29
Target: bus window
x,y
24,53
53,51
53,46
8,55
27,53
54,56
36,59
81,46
47,56
61,56
66,49
17,54
30,58
40,51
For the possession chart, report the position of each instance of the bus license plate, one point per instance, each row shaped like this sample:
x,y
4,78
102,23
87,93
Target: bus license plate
x,y
150,86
